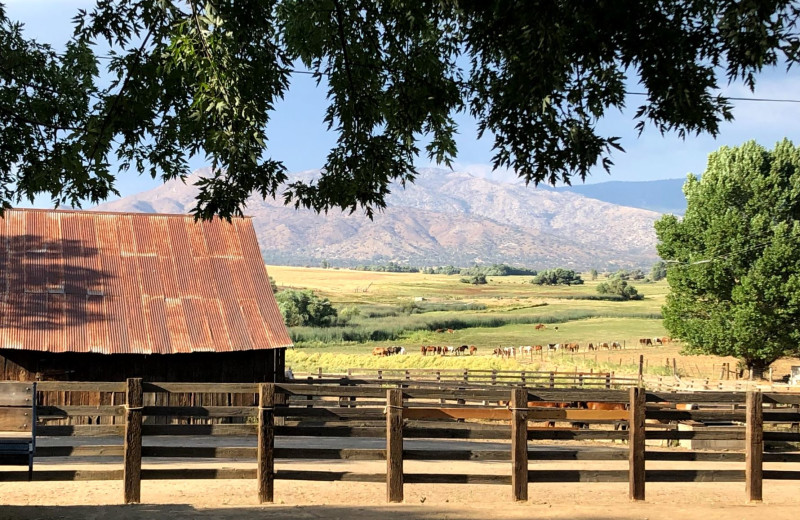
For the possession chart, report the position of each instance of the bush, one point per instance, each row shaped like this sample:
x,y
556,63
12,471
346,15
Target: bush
x,y
348,313
635,274
478,279
619,287
557,276
305,308
409,307
659,271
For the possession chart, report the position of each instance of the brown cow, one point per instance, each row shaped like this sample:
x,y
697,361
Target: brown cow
x,y
472,350
665,340
380,351
540,326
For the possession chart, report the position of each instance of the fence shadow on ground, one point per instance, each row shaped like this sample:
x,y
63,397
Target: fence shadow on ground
x,y
287,512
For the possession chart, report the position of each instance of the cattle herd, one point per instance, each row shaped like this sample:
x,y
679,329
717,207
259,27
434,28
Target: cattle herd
x,y
528,350
513,352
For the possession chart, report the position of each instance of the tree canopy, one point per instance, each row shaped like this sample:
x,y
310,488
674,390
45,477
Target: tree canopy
x,y
619,287
734,258
658,271
305,308
146,85
557,276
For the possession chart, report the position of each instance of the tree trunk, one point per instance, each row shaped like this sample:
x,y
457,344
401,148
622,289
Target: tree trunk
x,y
757,367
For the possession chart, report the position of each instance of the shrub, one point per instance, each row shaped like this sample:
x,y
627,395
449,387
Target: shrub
x,y
619,287
305,308
478,279
558,276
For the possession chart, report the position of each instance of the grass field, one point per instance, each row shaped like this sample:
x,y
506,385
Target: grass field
x,y
407,308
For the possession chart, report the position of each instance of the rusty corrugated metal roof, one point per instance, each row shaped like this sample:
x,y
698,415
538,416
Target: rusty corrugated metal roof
x,y
133,283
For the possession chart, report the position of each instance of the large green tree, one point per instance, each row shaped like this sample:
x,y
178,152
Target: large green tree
x,y
734,258
147,84
301,308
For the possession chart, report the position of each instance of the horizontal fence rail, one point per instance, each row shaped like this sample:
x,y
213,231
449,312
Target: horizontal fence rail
x,y
504,420
533,378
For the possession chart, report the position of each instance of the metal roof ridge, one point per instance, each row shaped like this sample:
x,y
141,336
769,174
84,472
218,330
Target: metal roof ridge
x,y
108,212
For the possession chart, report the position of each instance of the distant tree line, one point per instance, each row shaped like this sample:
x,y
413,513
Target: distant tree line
x,y
442,269
391,267
485,270
558,276
497,270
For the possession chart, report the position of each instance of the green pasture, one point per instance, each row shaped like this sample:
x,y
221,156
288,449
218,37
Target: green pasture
x,y
407,309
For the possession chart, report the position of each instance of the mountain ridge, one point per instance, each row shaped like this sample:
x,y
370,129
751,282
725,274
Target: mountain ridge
x,y
442,218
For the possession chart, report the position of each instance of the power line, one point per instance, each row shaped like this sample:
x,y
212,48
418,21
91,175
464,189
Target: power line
x,y
733,98
726,256
627,92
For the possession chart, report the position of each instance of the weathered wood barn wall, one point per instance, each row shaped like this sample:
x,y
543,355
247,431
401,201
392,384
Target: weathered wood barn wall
x,y
105,296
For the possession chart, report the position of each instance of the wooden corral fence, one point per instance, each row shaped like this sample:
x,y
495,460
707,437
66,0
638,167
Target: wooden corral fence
x,y
414,413
527,378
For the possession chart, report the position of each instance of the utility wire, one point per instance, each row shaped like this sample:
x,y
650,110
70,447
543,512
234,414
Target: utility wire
x,y
732,98
718,257
629,93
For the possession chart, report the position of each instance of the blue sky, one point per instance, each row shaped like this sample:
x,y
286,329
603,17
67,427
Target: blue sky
x,y
299,138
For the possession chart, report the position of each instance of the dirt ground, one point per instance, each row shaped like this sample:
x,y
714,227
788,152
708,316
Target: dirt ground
x,y
236,499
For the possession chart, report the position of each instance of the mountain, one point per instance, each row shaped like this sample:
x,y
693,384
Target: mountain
x,y
663,196
443,218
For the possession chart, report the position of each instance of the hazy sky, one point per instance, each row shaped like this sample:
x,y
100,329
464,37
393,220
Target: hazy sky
x,y
299,138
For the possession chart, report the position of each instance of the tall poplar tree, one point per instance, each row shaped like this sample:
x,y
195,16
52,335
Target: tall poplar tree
x,y
734,258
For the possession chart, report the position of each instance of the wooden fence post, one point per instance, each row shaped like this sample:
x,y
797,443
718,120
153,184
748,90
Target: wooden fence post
x,y
132,449
641,369
265,471
754,446
394,445
519,444
636,447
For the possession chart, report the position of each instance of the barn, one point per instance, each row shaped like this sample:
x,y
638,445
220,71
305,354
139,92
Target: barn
x,y
97,296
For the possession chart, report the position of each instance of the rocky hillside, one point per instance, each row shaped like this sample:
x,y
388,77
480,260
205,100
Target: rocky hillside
x,y
444,218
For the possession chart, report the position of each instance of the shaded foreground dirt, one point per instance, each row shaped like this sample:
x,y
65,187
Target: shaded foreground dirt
x,y
236,500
